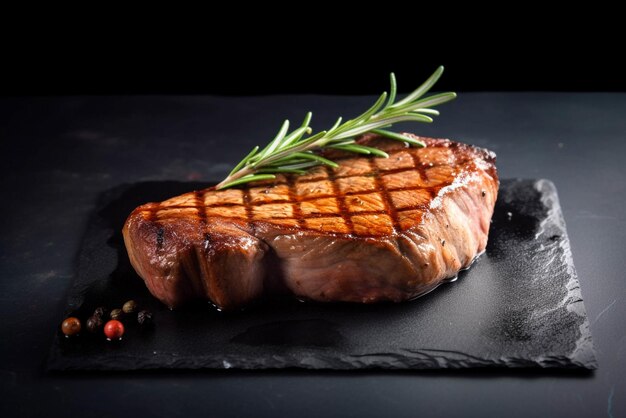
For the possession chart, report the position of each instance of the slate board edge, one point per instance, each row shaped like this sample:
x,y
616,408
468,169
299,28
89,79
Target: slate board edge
x,y
584,352
422,360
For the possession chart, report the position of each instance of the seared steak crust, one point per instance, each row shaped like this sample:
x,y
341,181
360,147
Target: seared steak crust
x,y
372,230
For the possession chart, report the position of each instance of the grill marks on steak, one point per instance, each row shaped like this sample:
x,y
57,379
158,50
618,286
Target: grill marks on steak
x,y
372,229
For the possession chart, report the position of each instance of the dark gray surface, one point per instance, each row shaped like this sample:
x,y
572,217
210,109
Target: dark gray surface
x,y
518,306
59,154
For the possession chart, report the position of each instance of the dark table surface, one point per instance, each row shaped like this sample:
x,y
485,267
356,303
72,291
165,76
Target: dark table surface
x,y
59,154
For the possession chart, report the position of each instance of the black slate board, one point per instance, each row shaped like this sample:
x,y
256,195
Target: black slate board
x,y
518,306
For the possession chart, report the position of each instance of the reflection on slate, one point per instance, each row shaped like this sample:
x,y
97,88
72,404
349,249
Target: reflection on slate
x,y
518,306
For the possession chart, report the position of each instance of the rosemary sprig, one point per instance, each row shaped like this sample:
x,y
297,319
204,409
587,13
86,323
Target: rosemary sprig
x,y
293,152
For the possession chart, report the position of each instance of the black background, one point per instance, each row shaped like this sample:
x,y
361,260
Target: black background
x,y
521,50
59,154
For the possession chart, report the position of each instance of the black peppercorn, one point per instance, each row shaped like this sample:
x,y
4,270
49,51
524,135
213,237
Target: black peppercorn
x,y
94,323
144,318
101,312
117,314
130,307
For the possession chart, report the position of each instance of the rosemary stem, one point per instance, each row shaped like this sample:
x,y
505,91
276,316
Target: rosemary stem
x,y
235,176
292,152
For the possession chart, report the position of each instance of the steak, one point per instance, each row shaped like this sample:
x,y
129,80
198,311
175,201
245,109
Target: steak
x,y
371,230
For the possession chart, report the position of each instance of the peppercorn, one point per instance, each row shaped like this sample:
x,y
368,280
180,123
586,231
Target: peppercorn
x,y
117,314
130,307
114,330
144,318
101,312
71,326
94,323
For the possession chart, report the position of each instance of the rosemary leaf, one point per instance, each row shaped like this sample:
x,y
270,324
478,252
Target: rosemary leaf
x,y
247,179
399,137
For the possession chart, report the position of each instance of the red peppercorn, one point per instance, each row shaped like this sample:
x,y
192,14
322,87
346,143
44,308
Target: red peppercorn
x,y
114,330
71,326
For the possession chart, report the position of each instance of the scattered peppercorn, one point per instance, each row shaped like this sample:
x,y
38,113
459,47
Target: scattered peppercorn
x,y
114,330
94,323
117,314
101,312
144,318
129,307
71,326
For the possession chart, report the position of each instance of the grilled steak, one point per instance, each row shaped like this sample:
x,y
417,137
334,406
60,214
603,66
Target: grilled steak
x,y
371,230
